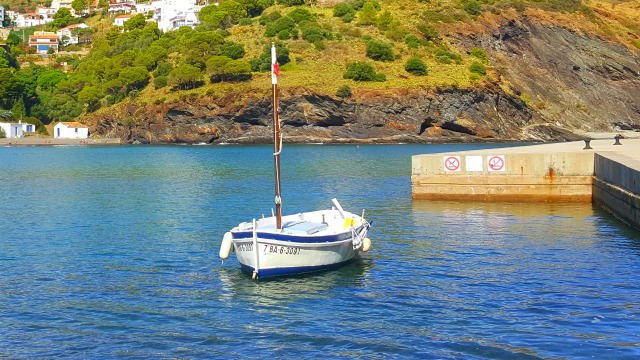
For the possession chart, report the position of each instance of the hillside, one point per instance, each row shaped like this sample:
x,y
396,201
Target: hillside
x,y
553,68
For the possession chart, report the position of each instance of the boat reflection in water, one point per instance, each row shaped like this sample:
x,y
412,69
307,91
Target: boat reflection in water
x,y
281,291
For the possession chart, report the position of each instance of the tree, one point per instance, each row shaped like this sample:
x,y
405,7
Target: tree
x,y
222,68
62,18
223,15
216,67
416,66
185,77
19,110
361,71
13,39
255,7
6,115
202,44
63,107
313,34
79,5
163,69
134,78
232,50
6,22
48,80
84,34
91,96
291,2
380,51
298,15
384,20
263,63
160,82
342,9
4,62
136,22
368,14
10,88
283,23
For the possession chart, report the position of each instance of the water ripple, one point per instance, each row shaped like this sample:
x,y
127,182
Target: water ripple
x,y
112,253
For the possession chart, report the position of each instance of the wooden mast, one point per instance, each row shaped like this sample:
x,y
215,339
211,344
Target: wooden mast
x,y
276,135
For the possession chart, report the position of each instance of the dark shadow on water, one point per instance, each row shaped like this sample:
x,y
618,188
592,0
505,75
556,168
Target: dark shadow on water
x,y
291,288
615,229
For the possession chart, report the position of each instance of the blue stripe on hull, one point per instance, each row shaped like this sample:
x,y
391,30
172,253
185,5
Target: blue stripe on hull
x,y
264,273
293,238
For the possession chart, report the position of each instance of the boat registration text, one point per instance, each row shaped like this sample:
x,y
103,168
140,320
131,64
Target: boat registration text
x,y
270,249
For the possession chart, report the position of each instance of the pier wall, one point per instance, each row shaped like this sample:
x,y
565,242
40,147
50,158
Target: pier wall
x,y
616,186
529,177
607,174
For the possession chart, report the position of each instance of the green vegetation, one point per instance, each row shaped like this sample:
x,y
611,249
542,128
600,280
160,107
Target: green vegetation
x,y
361,71
416,66
6,115
317,47
344,91
478,68
379,51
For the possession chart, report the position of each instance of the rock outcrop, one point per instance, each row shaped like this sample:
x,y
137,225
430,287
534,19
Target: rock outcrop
x,y
559,82
572,79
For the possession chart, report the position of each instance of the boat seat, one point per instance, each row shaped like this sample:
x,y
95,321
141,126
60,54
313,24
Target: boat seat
x,y
303,227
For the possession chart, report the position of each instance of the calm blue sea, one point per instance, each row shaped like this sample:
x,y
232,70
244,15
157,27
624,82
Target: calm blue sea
x,y
112,252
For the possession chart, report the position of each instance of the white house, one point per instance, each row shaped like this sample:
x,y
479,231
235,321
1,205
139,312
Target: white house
x,y
57,4
171,14
1,15
12,130
70,130
66,33
46,13
122,6
29,20
43,41
143,8
121,19
26,127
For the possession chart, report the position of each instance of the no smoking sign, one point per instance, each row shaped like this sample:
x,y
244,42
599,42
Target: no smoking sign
x,y
496,163
451,163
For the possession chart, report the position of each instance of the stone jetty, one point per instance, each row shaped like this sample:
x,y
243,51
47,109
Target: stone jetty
x,y
605,171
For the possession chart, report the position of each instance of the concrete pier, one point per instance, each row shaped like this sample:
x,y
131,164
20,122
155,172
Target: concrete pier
x,y
606,174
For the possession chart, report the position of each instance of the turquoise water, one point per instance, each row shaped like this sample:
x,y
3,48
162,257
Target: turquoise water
x,y
112,252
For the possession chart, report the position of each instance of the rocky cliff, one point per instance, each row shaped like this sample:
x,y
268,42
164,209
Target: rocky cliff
x,y
548,83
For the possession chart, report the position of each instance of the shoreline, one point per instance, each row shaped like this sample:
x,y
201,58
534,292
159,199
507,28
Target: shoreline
x,y
43,141
401,139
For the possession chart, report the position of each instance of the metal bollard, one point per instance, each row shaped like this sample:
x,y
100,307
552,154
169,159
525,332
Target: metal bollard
x,y
617,137
586,144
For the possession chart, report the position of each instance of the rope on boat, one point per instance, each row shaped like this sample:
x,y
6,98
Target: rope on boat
x,y
357,237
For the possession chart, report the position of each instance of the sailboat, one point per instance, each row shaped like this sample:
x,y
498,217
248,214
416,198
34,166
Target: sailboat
x,y
298,243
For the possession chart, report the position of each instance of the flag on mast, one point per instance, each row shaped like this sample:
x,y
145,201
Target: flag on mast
x,y
275,69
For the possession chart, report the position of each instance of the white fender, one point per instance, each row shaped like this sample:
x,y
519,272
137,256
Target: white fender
x,y
225,247
366,244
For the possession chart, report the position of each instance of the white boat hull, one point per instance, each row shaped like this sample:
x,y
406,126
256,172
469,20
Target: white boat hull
x,y
285,258
307,242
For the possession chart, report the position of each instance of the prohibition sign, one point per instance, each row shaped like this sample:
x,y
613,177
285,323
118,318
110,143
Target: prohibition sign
x,y
452,163
496,163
